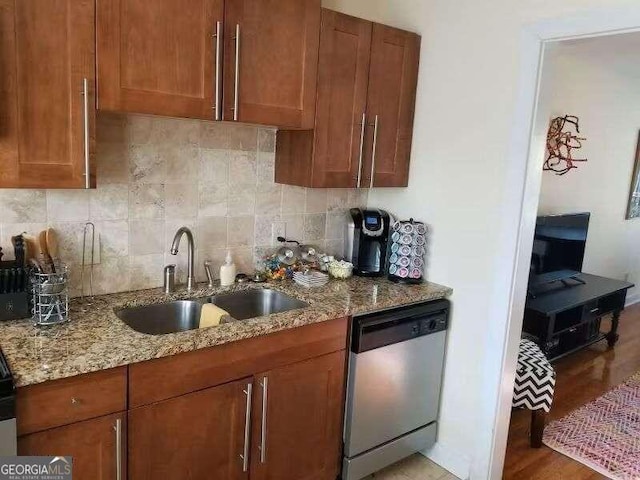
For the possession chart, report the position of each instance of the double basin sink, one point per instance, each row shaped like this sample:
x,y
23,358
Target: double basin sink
x,y
183,315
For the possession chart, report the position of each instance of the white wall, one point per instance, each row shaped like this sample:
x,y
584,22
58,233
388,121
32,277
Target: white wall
x,y
599,81
469,70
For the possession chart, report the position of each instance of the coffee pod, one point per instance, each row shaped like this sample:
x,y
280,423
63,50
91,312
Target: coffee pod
x,y
418,251
415,273
404,250
421,229
395,236
396,226
393,258
395,247
393,269
404,261
417,262
407,228
419,240
403,272
406,239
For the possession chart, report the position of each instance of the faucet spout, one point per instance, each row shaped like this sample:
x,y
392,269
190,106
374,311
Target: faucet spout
x,y
191,280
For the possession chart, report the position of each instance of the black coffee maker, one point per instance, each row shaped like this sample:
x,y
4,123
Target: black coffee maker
x,y
367,236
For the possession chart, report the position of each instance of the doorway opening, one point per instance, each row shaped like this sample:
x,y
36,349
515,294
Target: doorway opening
x,y
528,145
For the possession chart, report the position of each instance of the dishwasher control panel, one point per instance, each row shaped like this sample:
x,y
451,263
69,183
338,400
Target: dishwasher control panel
x,y
398,325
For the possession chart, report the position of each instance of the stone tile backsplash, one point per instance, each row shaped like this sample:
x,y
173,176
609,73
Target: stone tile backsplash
x,y
157,174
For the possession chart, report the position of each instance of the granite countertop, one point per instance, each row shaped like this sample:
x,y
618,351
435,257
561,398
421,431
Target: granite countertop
x,y
95,339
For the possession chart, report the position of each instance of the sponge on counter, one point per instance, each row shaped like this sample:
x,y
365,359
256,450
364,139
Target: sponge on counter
x,y
211,315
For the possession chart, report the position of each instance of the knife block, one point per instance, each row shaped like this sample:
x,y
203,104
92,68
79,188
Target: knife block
x,y
14,296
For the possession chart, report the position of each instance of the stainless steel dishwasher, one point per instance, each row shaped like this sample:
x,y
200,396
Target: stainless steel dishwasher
x,y
394,382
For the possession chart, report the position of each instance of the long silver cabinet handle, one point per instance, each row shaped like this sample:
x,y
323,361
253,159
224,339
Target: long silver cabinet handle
x,y
218,36
247,427
362,128
118,429
373,153
236,87
85,113
263,427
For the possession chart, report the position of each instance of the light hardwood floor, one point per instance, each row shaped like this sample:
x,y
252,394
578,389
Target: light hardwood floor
x,y
581,378
416,467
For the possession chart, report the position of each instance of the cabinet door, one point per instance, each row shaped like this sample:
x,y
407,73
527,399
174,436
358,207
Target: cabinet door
x,y
158,57
343,74
393,81
93,444
46,54
271,61
301,424
199,436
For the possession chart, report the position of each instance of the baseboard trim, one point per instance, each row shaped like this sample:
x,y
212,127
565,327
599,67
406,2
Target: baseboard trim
x,y
632,300
449,459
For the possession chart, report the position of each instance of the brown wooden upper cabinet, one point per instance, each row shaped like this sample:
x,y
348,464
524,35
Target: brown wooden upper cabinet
x,y
251,61
367,79
47,86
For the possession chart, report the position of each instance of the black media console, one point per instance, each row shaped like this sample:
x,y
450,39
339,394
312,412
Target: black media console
x,y
566,318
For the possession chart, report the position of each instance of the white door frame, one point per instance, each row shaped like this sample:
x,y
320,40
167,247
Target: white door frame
x,y
525,157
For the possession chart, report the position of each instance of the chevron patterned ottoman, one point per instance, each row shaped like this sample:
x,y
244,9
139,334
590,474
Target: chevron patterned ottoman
x,y
535,383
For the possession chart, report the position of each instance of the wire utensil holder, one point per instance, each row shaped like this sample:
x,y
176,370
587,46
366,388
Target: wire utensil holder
x,y
50,295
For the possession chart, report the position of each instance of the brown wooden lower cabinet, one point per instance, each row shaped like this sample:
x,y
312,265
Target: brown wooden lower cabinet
x,y
195,436
224,420
301,431
92,444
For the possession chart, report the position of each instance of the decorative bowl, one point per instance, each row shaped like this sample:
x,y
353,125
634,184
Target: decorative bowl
x,y
341,269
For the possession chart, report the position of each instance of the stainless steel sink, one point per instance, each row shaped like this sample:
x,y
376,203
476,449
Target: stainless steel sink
x,y
164,317
256,303
184,315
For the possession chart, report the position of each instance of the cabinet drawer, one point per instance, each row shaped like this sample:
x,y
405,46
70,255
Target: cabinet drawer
x,y
70,400
149,381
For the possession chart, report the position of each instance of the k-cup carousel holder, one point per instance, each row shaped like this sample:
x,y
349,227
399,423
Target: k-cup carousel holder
x,y
406,260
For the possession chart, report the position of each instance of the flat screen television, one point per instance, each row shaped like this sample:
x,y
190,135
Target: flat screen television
x,y
559,243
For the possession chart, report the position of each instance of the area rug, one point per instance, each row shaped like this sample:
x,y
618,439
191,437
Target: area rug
x,y
604,434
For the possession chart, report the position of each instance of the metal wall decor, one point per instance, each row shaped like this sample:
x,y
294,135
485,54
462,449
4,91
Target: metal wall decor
x,y
561,141
633,209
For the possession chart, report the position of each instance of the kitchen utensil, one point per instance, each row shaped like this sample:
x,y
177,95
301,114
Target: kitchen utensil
x,y
52,244
36,265
30,249
43,253
18,248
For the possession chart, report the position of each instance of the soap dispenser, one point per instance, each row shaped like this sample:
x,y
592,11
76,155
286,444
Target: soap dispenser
x,y
228,271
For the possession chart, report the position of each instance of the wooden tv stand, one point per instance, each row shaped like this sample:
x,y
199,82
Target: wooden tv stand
x,y
566,318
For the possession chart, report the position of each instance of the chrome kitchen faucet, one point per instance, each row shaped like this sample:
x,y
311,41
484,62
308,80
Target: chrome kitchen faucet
x,y
191,280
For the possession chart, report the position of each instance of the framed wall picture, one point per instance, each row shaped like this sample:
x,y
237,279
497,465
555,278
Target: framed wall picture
x,y
633,210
